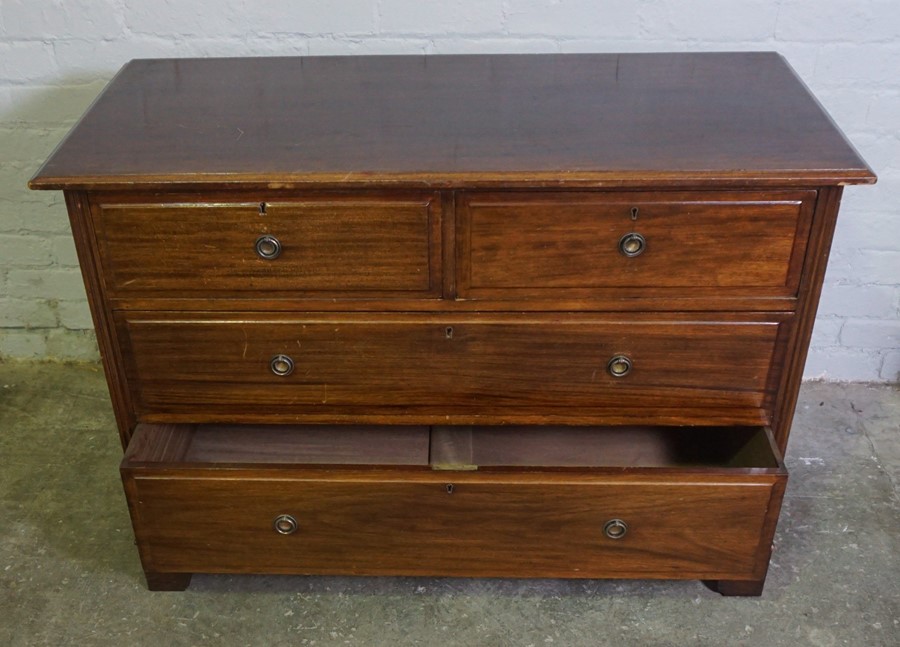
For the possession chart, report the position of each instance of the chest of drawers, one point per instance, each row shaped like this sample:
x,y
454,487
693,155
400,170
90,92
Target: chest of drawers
x,y
507,316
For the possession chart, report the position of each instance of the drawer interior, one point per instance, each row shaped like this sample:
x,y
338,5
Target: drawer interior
x,y
462,448
453,501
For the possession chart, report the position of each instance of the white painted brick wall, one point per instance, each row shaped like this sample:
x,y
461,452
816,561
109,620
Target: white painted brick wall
x,y
55,56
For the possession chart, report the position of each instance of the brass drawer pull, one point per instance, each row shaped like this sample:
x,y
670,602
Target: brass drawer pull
x,y
619,366
632,244
282,365
615,528
285,524
268,247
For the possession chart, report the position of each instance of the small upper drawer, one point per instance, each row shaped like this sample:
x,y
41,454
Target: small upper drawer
x,y
366,245
558,245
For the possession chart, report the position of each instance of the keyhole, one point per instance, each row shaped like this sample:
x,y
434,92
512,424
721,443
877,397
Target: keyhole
x,y
448,333
262,208
634,213
449,488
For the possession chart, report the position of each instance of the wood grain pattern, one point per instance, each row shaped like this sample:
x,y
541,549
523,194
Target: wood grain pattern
x,y
365,244
326,445
78,207
450,267
767,535
194,513
179,365
543,447
470,413
646,299
488,526
816,261
453,447
157,443
553,245
451,121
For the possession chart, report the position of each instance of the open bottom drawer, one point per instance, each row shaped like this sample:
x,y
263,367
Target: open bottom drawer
x,y
584,502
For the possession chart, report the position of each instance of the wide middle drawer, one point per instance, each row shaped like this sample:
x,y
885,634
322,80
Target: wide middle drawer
x,y
279,367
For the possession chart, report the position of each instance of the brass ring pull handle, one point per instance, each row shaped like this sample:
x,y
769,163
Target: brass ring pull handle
x,y
282,365
268,247
632,244
285,524
615,528
619,366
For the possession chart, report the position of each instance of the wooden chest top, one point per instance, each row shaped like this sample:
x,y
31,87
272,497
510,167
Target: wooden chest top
x,y
594,120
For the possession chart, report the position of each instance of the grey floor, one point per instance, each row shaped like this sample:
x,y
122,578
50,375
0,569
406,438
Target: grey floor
x,y
69,572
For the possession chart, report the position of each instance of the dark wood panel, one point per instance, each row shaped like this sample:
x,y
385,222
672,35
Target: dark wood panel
x,y
432,188
592,300
542,447
815,265
108,343
709,527
472,413
453,447
589,119
559,245
159,443
364,244
276,444
190,365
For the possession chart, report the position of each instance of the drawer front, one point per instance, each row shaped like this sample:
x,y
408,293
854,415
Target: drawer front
x,y
491,526
440,365
578,244
373,246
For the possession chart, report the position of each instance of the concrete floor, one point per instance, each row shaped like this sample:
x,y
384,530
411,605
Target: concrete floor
x,y
69,572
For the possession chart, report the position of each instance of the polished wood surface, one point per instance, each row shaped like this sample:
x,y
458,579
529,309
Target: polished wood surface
x,y
276,444
470,414
194,517
209,362
78,206
156,446
479,447
490,526
549,244
363,245
193,512
662,119
451,291
623,299
813,277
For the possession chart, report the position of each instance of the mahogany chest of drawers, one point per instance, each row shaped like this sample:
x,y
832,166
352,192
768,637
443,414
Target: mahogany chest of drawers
x,y
512,316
